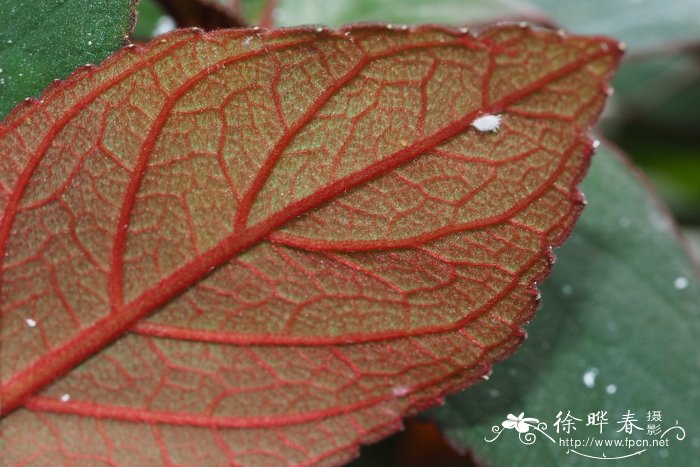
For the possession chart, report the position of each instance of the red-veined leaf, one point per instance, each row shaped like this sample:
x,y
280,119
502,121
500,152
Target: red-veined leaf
x,y
255,246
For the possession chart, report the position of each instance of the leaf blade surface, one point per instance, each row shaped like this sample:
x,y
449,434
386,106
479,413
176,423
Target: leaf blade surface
x,y
310,209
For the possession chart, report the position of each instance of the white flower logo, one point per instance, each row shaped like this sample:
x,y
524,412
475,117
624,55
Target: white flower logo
x,y
520,423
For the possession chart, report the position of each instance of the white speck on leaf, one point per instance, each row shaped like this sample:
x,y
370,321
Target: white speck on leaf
x,y
567,289
680,283
65,397
611,389
30,322
89,42
494,393
487,123
589,377
400,391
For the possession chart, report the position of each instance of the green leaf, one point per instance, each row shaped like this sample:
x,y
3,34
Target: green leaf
x,y
253,10
616,307
455,12
642,24
150,18
43,40
663,91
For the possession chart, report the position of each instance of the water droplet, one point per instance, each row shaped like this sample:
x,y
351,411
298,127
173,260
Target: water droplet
x,y
680,283
611,389
589,377
30,322
89,42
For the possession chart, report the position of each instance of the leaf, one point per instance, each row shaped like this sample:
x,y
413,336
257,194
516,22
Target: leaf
x,y
259,11
663,91
455,12
274,245
644,25
152,21
44,40
648,25
614,303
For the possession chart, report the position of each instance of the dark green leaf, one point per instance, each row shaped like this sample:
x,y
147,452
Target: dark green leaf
x,y
43,40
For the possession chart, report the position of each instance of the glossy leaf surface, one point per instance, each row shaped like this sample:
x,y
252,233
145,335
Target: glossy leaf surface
x,y
43,40
274,245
